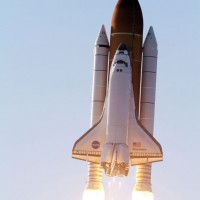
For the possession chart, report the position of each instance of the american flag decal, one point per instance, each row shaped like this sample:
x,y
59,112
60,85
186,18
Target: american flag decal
x,y
137,144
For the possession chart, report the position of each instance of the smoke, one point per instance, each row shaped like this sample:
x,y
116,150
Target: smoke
x,y
140,195
93,194
113,186
117,188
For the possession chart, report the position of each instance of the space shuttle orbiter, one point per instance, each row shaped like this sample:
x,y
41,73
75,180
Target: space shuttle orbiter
x,y
118,140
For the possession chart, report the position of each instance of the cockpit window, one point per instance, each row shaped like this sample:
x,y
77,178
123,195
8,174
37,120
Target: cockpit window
x,y
121,62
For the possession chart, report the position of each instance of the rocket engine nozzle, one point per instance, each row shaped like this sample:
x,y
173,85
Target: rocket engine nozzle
x,y
115,159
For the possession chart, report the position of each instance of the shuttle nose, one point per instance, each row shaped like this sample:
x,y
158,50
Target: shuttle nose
x,y
122,47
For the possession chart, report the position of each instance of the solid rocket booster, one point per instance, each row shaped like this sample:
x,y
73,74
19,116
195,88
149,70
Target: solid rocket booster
x,y
148,88
127,27
147,105
101,49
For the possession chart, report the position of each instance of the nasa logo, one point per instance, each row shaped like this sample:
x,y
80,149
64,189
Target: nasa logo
x,y
95,145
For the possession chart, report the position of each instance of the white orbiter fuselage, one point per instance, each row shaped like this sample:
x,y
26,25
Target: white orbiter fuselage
x,y
118,140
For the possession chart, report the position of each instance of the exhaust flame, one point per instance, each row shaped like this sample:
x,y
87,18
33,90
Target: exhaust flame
x,y
142,195
93,194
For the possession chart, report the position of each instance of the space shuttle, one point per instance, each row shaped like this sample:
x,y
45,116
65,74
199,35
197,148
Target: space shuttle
x,y
118,140
123,99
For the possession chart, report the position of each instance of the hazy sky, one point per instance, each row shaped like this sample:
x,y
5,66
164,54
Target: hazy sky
x,y
46,61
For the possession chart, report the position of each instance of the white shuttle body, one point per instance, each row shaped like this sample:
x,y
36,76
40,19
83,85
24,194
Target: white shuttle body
x,y
118,140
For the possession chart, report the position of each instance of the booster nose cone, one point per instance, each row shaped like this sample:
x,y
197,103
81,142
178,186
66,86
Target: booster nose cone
x,y
122,47
150,44
102,38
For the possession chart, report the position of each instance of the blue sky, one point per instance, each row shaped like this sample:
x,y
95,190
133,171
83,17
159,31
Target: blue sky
x,y
46,59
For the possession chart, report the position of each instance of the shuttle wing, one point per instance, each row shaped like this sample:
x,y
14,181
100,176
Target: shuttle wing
x,y
89,146
143,147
